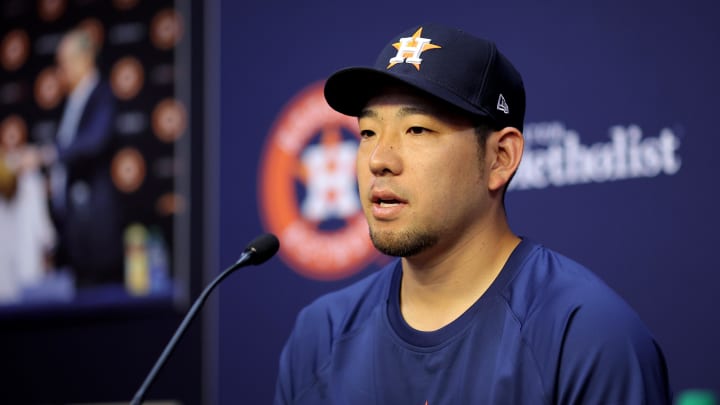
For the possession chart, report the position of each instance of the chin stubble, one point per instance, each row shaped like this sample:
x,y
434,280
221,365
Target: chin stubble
x,y
403,244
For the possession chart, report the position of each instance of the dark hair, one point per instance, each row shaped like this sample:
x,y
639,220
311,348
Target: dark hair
x,y
483,129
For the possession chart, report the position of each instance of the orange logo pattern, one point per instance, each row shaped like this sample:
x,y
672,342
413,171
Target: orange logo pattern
x,y
48,89
127,77
166,29
308,191
14,49
169,120
128,170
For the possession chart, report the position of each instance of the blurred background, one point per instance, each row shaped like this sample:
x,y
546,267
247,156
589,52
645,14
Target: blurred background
x,y
143,144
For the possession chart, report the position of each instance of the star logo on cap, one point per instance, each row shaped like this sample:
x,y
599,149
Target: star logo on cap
x,y
410,48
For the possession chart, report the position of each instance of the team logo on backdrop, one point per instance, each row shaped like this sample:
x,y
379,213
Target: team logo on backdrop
x,y
554,156
169,120
125,4
166,29
128,169
410,48
14,49
51,10
95,30
127,77
308,190
170,204
13,132
48,89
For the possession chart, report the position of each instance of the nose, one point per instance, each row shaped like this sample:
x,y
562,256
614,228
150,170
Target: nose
x,y
385,157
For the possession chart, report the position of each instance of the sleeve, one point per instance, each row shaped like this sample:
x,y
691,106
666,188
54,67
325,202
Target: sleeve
x,y
283,385
305,352
609,357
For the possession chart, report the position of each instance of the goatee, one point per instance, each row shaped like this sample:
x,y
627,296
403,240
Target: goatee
x,y
402,244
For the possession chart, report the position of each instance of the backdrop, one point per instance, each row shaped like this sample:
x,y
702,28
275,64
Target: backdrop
x,y
618,173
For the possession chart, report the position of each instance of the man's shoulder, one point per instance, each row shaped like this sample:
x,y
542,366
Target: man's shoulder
x,y
566,308
341,311
549,283
595,311
325,321
571,319
328,319
555,298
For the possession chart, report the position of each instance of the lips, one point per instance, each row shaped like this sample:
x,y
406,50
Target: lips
x,y
386,204
386,197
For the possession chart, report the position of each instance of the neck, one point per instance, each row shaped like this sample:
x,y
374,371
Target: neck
x,y
86,80
437,287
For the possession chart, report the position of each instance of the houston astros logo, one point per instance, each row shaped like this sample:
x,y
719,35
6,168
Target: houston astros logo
x,y
410,48
308,191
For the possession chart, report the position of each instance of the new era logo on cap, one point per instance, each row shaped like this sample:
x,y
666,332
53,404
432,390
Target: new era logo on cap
x,y
502,105
446,63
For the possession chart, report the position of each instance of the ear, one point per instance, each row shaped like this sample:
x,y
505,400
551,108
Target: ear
x,y
506,147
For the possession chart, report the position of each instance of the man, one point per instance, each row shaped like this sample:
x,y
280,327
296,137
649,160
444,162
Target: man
x,y
83,198
471,313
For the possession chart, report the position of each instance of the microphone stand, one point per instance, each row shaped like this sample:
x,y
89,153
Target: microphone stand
x,y
140,394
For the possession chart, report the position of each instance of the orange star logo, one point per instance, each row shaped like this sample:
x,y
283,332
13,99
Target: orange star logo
x,y
410,48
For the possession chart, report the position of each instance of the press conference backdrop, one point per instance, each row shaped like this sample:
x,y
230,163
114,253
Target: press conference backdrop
x,y
619,170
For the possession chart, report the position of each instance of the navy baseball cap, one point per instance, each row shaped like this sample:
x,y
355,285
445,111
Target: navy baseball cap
x,y
451,65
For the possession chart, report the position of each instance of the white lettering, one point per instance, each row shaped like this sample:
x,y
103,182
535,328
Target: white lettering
x,y
564,160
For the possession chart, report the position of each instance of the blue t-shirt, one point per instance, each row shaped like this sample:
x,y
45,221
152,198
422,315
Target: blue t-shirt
x,y
547,331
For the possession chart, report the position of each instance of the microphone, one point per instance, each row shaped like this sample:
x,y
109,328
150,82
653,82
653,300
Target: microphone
x,y
257,252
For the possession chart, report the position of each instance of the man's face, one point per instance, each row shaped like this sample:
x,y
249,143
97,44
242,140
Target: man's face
x,y
73,65
421,180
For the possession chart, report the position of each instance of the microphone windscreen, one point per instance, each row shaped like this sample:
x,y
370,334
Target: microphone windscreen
x,y
263,248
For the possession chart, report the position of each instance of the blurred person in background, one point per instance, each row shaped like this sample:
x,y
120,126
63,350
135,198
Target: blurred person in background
x,y
26,231
84,201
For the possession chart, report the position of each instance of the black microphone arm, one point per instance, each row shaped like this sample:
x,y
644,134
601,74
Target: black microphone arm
x,y
257,252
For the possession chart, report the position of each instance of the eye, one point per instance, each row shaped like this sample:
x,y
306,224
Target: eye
x,y
366,133
417,130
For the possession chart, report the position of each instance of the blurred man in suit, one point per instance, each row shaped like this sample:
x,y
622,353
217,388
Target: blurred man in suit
x,y
84,200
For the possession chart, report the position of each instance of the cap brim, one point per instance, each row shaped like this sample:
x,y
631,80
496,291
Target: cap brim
x,y
348,90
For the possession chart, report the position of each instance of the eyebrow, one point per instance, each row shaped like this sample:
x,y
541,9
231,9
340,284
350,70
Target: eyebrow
x,y
367,113
412,110
402,112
